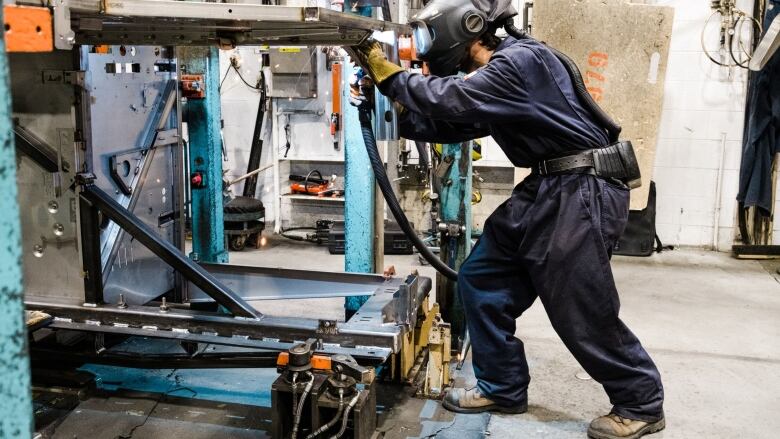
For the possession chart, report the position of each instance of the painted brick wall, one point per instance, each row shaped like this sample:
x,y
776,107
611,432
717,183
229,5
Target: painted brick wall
x,y
701,126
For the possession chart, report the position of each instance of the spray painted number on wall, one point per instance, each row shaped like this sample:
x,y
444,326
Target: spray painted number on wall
x,y
595,81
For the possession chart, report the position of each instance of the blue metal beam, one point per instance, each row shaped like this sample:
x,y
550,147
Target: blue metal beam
x,y
15,394
205,143
455,208
359,192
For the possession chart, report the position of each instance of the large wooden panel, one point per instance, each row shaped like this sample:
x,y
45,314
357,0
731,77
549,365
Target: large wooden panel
x,y
622,51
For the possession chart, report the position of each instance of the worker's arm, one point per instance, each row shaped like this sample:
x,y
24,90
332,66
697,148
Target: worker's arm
x,y
414,126
495,93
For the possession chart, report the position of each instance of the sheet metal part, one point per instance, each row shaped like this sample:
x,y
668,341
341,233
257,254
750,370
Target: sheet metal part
x,y
195,23
165,250
262,283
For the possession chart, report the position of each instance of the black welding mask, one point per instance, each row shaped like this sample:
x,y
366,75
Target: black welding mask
x,y
444,28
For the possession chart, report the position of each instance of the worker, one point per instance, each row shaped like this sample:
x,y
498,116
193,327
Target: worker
x,y
553,238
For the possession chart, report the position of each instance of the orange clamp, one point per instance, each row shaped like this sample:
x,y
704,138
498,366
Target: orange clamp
x,y
318,362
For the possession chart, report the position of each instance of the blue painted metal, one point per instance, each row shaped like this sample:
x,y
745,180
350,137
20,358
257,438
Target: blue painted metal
x,y
456,208
359,192
15,395
205,142
237,386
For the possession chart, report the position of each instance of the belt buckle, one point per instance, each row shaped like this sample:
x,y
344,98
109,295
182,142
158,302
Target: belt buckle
x,y
543,167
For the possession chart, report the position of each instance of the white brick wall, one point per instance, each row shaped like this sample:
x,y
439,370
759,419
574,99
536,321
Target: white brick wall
x,y
703,105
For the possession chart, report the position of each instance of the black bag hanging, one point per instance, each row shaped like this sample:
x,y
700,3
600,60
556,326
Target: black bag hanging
x,y
639,238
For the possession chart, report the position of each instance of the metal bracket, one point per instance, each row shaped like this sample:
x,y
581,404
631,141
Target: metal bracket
x,y
329,327
72,77
453,230
64,37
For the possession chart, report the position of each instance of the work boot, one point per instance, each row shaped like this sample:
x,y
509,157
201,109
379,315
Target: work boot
x,y
472,401
614,426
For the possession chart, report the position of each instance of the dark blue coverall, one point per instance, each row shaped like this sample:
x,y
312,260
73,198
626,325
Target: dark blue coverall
x,y
552,239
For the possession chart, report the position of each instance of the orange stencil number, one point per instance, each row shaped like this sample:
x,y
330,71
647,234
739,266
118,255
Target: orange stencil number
x,y
594,76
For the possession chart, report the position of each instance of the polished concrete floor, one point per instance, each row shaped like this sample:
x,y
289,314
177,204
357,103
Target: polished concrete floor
x,y
711,323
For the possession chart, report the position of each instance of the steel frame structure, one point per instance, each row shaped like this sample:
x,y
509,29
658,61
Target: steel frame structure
x,y
198,23
374,333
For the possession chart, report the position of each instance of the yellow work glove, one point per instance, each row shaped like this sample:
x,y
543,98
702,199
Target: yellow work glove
x,y
371,57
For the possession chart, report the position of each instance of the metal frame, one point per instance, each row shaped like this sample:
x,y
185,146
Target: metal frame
x,y
198,23
374,332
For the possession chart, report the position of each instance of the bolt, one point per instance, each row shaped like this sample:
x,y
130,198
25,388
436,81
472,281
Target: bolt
x,y
163,306
122,304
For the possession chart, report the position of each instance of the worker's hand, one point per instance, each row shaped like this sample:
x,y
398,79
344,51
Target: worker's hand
x,y
361,91
371,57
389,272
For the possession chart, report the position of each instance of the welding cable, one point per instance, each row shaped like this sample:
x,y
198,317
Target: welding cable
x,y
333,421
613,129
392,202
345,418
301,403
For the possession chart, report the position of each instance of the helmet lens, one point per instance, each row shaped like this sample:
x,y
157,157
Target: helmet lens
x,y
423,40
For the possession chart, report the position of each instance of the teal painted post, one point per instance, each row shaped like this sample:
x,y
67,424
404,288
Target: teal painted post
x,y
359,192
455,208
15,392
205,142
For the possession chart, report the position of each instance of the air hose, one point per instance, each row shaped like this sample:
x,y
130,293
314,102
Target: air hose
x,y
392,202
613,129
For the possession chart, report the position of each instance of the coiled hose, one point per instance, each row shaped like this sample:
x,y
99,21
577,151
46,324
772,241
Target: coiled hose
x,y
603,119
392,202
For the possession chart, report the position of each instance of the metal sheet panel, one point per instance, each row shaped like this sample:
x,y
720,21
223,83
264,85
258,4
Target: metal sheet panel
x,y
255,283
124,90
43,103
622,50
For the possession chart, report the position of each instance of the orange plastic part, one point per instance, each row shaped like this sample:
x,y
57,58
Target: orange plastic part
x,y
406,49
28,29
193,86
318,362
336,76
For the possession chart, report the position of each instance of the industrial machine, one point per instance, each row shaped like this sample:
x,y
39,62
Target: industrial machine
x,y
103,173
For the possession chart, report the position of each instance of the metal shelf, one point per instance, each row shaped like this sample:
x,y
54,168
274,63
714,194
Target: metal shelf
x,y
197,23
313,198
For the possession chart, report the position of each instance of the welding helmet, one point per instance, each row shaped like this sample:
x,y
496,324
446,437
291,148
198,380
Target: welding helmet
x,y
443,29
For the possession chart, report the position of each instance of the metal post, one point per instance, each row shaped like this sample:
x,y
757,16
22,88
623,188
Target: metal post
x,y
455,213
15,394
204,127
359,193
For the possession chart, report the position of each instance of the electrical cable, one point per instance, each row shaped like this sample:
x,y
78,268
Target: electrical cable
x,y
257,87
333,421
383,182
345,418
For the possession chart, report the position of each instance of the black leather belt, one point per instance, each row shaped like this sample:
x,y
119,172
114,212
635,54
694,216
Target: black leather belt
x,y
582,163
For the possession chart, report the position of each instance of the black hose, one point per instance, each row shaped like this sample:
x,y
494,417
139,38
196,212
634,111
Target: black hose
x,y
613,129
333,421
392,203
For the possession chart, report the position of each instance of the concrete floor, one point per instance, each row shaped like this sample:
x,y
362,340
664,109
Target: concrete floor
x,y
711,323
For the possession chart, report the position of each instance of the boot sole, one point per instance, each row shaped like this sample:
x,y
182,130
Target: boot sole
x,y
655,427
493,408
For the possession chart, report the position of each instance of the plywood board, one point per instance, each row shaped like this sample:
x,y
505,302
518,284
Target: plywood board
x,y
622,50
